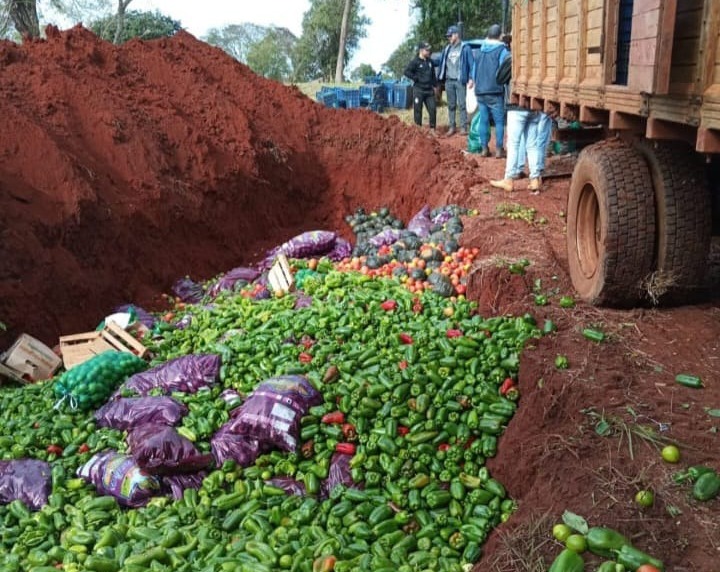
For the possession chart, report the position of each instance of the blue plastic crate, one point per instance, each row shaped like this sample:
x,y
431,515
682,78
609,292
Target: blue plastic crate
x,y
329,99
402,96
352,98
372,95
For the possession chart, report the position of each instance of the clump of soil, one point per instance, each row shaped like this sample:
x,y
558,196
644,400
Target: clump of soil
x,y
124,168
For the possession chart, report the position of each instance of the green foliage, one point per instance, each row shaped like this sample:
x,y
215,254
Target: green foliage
x,y
400,58
236,39
270,57
142,25
316,53
436,15
361,72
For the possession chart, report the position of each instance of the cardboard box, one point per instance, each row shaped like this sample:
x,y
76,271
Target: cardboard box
x,y
31,359
280,277
78,348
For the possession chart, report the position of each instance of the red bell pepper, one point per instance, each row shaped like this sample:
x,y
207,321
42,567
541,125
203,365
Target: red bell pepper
x,y
349,432
388,305
405,338
443,446
417,306
345,448
305,357
453,333
55,450
506,386
333,417
403,364
402,430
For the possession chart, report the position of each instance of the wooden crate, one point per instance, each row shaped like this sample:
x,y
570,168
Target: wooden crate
x,y
29,358
280,277
78,348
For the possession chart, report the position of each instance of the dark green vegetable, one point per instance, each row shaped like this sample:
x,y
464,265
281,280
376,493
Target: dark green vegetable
x,y
568,561
689,380
707,486
602,541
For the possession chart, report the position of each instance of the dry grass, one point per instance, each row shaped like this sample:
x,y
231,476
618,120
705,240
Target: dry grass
x,y
657,284
521,549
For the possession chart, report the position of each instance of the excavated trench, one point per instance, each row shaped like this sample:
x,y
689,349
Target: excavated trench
x,y
126,168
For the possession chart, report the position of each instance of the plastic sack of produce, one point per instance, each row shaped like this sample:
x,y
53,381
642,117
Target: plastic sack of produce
x,y
90,384
272,412
387,236
338,473
119,476
302,301
228,445
239,276
309,243
186,373
421,223
175,485
289,485
142,316
27,480
128,412
188,291
161,450
341,250
474,145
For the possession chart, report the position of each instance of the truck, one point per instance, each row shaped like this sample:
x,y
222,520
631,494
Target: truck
x,y
643,77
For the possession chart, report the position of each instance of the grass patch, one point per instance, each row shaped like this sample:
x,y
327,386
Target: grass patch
x,y
521,549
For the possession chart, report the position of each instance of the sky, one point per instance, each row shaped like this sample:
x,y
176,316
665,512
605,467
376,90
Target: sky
x,y
390,20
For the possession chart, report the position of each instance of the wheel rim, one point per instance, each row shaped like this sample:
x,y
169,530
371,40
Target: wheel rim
x,y
588,231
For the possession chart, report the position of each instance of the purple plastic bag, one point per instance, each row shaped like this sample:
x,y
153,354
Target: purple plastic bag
x,y
273,411
161,450
228,281
442,217
28,480
145,318
188,291
119,476
302,301
186,373
289,485
338,473
128,412
341,250
309,244
387,236
421,223
228,445
175,485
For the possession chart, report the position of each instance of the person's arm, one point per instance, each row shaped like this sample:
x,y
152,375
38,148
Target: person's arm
x,y
465,58
411,71
471,79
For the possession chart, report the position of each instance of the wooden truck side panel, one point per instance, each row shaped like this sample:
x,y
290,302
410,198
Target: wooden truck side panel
x,y
566,55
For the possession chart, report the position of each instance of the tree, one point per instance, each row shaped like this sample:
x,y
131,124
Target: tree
x,y
340,66
142,25
316,53
270,57
236,39
436,15
24,16
361,72
400,58
120,25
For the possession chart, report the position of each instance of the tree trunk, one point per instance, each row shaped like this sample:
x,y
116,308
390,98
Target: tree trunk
x,y
120,20
25,17
343,39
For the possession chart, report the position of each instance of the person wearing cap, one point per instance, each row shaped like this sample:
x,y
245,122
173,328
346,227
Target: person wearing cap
x,y
454,71
421,71
490,94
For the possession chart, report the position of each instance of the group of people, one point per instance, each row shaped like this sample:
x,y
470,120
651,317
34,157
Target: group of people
x,y
527,133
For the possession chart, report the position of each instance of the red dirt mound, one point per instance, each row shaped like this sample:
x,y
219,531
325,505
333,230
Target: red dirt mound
x,y
125,167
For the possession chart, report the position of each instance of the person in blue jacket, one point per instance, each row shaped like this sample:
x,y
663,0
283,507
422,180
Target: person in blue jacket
x,y
454,71
490,94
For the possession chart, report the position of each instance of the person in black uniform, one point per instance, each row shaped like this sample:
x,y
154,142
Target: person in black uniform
x,y
421,71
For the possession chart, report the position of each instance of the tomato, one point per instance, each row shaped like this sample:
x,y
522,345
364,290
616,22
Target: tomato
x,y
648,568
312,264
645,498
561,532
576,543
671,454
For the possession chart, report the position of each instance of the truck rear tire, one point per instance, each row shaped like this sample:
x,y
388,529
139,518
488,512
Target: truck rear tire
x,y
611,224
683,216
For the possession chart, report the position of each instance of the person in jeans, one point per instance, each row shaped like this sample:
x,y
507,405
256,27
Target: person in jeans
x,y
490,94
421,71
521,123
455,66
